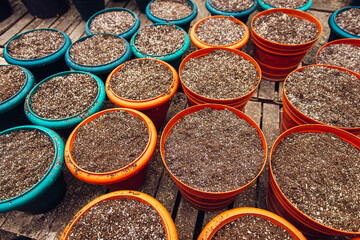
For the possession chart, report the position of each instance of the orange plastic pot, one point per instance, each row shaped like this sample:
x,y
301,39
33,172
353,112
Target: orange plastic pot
x,y
166,219
194,98
291,116
208,201
131,176
155,108
200,44
231,215
279,204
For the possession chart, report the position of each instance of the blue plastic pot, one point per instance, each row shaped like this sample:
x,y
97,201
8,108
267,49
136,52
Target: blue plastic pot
x,y
127,34
70,121
265,6
45,66
336,31
49,191
242,15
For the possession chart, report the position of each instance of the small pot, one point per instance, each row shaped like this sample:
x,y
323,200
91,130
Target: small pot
x,y
47,8
5,9
87,8
336,31
266,6
166,219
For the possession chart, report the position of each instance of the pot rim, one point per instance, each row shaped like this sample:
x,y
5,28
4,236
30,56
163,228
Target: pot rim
x,y
336,28
239,14
266,6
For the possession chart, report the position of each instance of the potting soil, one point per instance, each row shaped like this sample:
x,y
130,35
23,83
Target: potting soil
x,y
141,80
319,175
326,95
232,6
170,9
25,157
286,3
12,79
214,151
219,31
36,44
119,219
114,22
349,20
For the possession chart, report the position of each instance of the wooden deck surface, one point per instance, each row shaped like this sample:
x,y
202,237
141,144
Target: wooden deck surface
x,y
264,108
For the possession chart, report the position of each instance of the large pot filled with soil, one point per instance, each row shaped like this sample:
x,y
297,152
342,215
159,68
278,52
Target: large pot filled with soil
x,y
144,84
302,5
219,75
313,180
31,164
343,23
281,39
249,223
129,214
112,148
322,94
41,51
212,152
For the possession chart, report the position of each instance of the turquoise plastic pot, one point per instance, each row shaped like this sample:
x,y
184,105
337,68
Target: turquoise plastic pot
x,y
336,31
127,34
70,121
265,6
48,192
242,15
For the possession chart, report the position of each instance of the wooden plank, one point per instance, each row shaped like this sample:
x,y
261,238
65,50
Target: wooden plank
x,y
5,235
167,192
19,11
78,31
266,90
329,6
247,198
17,222
32,25
202,11
3,217
210,215
185,220
278,97
46,23
4,38
253,110
67,19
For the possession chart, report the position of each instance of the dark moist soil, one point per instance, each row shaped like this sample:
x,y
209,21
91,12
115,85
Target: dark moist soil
x,y
64,96
170,9
159,39
214,151
349,20
25,157
232,6
119,220
251,227
114,22
97,50
141,80
12,79
36,44
342,55
319,174
220,75
285,29
286,3
326,95
110,142
219,31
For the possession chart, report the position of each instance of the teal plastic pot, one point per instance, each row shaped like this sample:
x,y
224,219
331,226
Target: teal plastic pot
x,y
87,8
265,6
127,34
49,191
336,31
72,121
45,66
242,15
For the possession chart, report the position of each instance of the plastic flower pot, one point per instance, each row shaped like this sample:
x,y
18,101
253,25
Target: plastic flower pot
x,y
155,108
103,70
49,191
231,215
236,45
166,219
292,117
47,8
278,60
87,8
69,122
266,6
336,31
142,5
131,176
195,98
13,107
44,66
279,204
184,23
207,201
5,9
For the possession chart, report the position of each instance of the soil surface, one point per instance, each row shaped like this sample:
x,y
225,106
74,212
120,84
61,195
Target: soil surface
x,y
97,50
36,44
64,96
326,95
110,142
114,22
251,227
119,219
159,40
25,157
141,80
221,74
342,55
319,174
232,6
214,151
170,9
349,20
286,3
12,79
285,29
219,31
